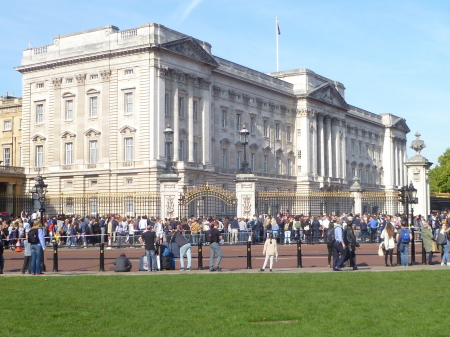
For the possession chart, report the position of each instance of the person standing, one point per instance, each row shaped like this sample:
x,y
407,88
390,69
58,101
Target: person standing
x,y
389,244
37,242
445,247
149,238
234,225
270,250
403,238
338,247
351,244
27,255
120,232
2,260
185,248
428,238
373,229
214,238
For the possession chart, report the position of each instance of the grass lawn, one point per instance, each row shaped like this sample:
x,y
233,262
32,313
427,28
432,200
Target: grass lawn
x,y
404,303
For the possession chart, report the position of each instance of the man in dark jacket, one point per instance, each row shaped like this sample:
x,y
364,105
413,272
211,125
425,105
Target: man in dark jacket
x,y
122,264
351,244
185,248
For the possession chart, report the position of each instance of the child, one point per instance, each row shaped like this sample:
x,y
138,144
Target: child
x,y
27,255
270,250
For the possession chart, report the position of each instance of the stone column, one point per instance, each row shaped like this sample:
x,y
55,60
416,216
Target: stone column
x,y
356,192
342,139
388,159
170,194
190,89
329,146
321,145
314,147
246,195
305,141
176,131
336,154
206,123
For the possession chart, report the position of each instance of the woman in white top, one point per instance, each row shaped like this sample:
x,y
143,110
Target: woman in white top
x,y
270,250
389,243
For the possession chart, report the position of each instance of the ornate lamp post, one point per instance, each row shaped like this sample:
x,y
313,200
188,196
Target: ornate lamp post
x,y
411,199
245,168
168,139
39,191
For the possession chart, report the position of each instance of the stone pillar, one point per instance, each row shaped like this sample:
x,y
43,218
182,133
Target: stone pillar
x,y
314,148
246,195
206,124
190,118
336,154
321,145
388,159
170,194
329,146
305,141
356,192
176,131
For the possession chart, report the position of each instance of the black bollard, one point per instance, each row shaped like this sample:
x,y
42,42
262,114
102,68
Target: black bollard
x,y
398,257
424,254
299,254
55,256
200,254
102,257
43,267
413,249
249,255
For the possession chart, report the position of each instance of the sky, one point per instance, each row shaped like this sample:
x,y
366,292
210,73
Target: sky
x,y
392,56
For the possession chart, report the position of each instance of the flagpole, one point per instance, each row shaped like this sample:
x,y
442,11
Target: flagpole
x,y
276,33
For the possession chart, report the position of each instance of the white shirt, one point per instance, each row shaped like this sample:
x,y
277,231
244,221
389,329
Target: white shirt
x,y
143,224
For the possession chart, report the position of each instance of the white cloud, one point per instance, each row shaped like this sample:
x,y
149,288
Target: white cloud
x,y
189,9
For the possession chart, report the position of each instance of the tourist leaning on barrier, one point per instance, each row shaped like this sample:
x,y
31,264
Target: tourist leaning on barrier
x,y
387,235
185,248
270,251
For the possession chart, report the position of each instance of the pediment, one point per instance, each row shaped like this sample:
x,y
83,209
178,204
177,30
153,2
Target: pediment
x,y
68,135
290,153
279,151
92,132
266,148
254,147
38,138
400,124
127,129
225,142
68,94
327,93
189,47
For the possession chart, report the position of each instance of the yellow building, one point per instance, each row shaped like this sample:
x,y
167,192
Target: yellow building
x,y
12,175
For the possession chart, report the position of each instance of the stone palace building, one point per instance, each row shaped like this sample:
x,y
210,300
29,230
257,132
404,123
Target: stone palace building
x,y
96,103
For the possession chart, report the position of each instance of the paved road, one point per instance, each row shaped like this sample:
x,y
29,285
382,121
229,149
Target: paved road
x,y
314,258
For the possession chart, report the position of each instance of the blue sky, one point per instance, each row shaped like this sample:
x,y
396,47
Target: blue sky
x,y
392,56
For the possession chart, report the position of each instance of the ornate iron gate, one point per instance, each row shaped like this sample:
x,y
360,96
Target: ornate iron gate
x,y
207,200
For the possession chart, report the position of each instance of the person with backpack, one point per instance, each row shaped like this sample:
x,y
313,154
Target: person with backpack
x,y
428,238
37,242
403,239
213,236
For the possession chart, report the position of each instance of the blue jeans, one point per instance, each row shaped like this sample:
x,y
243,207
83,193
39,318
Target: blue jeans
x,y
215,249
151,259
36,257
194,238
404,254
186,249
445,255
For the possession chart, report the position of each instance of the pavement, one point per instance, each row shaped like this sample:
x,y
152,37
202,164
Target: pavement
x,y
81,261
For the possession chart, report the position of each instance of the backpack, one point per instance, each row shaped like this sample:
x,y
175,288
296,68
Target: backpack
x,y
166,252
405,236
208,236
33,237
286,226
330,236
441,239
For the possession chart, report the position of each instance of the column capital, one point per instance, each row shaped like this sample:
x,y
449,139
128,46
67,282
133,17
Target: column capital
x,y
57,82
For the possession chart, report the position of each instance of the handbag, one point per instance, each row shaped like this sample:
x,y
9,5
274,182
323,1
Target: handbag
x,y
434,247
381,249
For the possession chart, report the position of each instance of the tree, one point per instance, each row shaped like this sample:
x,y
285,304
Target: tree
x,y
440,174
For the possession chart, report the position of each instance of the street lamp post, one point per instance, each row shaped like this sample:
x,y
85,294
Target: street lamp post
x,y
244,133
168,135
40,190
411,197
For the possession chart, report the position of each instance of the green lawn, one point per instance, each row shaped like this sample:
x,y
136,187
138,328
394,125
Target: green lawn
x,y
404,303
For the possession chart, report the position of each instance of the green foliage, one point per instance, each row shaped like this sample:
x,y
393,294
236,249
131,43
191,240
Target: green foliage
x,y
440,174
395,303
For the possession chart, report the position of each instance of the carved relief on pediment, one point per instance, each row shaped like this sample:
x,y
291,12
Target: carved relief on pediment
x,y
327,93
68,135
191,48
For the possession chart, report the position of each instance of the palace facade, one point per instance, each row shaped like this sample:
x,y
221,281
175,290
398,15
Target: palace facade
x,y
96,103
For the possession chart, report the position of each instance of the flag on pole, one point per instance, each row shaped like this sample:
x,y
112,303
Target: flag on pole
x,y
278,27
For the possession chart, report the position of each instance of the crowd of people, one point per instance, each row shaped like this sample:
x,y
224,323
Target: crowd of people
x,y
347,231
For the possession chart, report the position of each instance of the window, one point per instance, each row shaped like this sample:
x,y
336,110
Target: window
x,y
69,110
93,107
94,77
39,155
252,161
266,128
40,85
288,133
224,118
353,146
238,122
128,155
194,108
69,154
93,151
252,124
180,107
128,103
277,131
94,183
353,172
278,165
69,184
129,181
129,206
181,150
39,113
93,205
224,158
265,164
195,152
289,167
128,71
69,80
6,156
7,125
360,148
166,105
238,160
